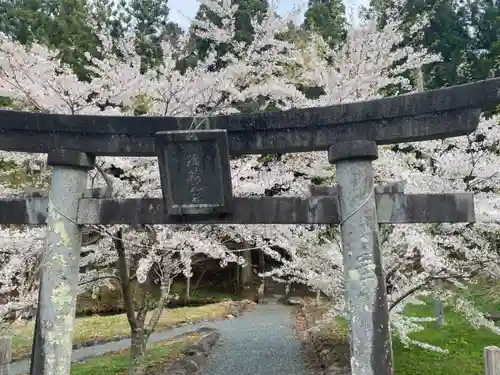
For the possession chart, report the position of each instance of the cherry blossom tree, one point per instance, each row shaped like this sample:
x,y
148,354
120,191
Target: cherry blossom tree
x,y
267,71
414,256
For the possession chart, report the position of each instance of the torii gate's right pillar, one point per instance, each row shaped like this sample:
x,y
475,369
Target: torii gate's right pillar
x,y
366,296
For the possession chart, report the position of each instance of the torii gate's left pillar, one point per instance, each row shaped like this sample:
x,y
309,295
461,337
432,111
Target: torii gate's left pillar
x,y
59,264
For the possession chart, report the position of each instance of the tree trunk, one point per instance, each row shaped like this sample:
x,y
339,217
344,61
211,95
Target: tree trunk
x,y
188,291
246,275
262,262
238,281
137,353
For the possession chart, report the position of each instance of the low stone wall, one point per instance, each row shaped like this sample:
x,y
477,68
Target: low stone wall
x,y
195,356
236,308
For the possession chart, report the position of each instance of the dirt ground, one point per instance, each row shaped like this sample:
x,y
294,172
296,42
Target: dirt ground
x,y
327,350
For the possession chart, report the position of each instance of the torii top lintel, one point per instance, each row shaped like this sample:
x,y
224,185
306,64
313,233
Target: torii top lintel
x,y
436,114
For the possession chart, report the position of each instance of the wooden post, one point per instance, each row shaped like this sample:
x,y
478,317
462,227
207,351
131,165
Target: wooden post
x,y
438,308
5,355
491,360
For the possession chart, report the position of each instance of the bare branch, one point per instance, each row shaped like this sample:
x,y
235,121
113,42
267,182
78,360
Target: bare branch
x,y
108,180
99,278
426,282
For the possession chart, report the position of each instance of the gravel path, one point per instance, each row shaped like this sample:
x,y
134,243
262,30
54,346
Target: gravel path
x,y
80,354
260,342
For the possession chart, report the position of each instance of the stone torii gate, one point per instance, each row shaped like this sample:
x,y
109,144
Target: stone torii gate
x,y
198,161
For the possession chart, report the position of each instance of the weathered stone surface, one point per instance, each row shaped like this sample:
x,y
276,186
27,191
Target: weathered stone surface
x,y
294,301
400,208
209,340
394,207
364,280
428,115
190,365
71,158
195,355
195,350
236,308
151,211
356,149
195,172
203,330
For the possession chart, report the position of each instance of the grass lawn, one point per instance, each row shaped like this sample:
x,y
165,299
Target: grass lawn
x,y
200,294
464,343
486,295
111,300
109,328
158,354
